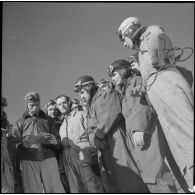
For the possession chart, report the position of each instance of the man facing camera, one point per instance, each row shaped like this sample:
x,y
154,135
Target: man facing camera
x,y
36,140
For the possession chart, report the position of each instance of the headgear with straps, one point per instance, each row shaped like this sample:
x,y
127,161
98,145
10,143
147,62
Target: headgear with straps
x,y
82,82
128,25
117,65
32,97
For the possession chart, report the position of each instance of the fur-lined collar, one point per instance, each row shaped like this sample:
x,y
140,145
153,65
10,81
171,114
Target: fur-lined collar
x,y
40,114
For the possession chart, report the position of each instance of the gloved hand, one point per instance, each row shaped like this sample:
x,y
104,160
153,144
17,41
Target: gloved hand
x,y
138,138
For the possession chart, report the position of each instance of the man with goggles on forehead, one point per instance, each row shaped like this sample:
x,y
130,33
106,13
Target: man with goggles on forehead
x,y
168,91
107,133
144,135
84,82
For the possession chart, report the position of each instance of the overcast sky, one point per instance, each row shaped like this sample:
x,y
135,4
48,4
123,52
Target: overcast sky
x,y
48,45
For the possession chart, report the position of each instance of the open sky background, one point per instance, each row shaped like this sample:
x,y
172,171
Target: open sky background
x,y
48,45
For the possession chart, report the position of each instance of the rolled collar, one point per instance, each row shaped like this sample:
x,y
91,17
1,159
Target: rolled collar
x,y
40,114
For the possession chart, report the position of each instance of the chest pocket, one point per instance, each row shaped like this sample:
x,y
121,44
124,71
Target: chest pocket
x,y
130,101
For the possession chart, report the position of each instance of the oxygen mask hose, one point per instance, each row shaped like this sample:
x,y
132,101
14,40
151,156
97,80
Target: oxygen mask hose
x,y
178,57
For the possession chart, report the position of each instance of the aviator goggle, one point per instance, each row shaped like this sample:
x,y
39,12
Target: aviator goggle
x,y
112,68
79,86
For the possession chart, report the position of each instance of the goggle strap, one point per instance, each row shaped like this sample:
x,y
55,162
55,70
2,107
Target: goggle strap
x,y
78,86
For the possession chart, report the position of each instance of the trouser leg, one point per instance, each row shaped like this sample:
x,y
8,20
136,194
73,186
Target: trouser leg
x,y
106,172
7,180
70,163
92,183
63,176
31,177
72,180
18,178
50,176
